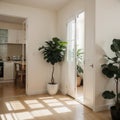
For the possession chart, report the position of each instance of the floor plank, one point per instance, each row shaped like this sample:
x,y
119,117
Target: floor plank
x,y
10,90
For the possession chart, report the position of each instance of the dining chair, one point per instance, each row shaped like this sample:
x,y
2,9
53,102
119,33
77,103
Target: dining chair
x,y
20,74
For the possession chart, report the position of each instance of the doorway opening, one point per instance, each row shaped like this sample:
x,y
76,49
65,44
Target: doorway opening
x,y
80,56
12,56
75,57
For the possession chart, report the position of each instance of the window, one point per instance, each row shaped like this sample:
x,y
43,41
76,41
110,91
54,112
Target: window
x,y
71,40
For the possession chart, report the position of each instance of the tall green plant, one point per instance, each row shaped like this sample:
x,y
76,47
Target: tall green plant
x,y
79,61
112,70
54,52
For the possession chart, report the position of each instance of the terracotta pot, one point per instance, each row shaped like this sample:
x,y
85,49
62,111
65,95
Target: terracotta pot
x,y
79,79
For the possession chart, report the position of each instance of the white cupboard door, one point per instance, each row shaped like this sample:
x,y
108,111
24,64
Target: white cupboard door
x,y
21,37
8,70
71,66
12,36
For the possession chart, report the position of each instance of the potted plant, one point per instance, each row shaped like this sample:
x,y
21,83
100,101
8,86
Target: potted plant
x,y
112,70
79,68
53,52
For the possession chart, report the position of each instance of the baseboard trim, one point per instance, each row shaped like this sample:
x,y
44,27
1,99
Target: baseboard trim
x,y
6,81
36,92
102,107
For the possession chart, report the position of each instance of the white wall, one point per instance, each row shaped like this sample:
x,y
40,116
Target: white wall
x,y
41,27
107,28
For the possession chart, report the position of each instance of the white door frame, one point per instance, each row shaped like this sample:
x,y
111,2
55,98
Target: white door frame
x,y
26,87
89,67
88,101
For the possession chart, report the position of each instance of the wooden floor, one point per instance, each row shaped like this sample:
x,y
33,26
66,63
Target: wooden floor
x,y
80,96
45,107
10,90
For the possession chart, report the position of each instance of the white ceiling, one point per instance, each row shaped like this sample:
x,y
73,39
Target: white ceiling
x,y
48,4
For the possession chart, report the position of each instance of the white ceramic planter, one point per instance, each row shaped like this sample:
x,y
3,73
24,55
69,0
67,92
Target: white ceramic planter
x,y
52,88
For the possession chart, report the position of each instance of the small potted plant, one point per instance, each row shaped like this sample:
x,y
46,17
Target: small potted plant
x,y
112,70
53,52
79,66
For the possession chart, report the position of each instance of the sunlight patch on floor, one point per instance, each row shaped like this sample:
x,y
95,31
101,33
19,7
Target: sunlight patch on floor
x,y
62,109
31,101
71,102
40,106
14,105
41,113
51,101
34,104
7,116
55,104
17,116
80,96
80,99
24,116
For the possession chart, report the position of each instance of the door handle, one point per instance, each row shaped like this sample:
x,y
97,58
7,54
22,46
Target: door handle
x,y
92,65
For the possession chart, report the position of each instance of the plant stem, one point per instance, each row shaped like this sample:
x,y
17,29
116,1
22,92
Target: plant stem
x,y
52,79
117,99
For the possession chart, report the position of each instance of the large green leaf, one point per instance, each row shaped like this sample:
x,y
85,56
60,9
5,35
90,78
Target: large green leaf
x,y
118,95
112,67
79,69
54,50
110,70
115,45
104,65
108,95
107,72
115,59
118,74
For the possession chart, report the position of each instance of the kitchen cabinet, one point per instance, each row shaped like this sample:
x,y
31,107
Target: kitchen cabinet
x,y
16,36
8,70
3,35
12,36
21,36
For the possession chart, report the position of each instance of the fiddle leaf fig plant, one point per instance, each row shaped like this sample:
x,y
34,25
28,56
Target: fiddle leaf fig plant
x,y
111,69
54,52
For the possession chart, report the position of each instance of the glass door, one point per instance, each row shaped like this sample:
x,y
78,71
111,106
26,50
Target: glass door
x,y
71,36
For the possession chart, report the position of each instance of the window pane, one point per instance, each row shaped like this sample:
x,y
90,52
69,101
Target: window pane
x,y
71,40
